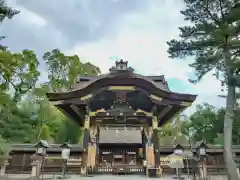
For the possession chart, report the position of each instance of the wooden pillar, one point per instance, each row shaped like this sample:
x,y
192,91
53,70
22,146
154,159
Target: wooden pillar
x,y
86,138
156,147
154,123
92,146
148,131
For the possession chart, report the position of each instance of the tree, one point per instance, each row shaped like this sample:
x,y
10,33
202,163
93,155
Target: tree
x,y
213,40
18,76
173,132
204,124
69,132
63,70
32,118
18,72
25,73
16,126
236,124
4,147
6,11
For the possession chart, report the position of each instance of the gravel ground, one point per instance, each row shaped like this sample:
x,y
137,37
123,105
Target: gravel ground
x,y
103,177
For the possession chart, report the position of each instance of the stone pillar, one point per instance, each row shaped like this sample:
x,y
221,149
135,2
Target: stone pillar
x,y
36,167
3,168
203,168
34,170
205,174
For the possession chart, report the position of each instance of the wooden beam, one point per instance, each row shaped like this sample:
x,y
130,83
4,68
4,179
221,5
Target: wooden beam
x,y
121,88
186,104
77,111
155,97
164,111
70,113
69,101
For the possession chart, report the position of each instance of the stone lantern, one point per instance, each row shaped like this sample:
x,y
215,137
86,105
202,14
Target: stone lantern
x,y
41,147
66,149
38,158
201,149
178,149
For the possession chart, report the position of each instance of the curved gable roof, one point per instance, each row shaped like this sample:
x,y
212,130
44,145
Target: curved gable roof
x,y
119,77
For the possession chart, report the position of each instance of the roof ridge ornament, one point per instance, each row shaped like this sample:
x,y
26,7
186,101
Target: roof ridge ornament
x,y
121,66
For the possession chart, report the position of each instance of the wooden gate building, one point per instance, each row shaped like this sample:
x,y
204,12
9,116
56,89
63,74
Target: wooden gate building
x,y
120,111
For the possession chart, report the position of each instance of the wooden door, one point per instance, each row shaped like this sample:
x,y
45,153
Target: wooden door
x,y
119,159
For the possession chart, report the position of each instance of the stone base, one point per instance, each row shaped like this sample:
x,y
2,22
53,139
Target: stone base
x,y
3,177
33,178
152,172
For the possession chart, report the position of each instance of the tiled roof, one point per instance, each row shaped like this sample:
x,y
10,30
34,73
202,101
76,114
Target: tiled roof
x,y
52,147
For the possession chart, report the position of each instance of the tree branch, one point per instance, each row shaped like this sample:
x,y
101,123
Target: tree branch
x,y
210,14
221,9
236,53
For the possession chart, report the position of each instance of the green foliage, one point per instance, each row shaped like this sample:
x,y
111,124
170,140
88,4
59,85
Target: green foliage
x,y
15,125
45,132
33,117
69,132
173,133
6,12
4,147
204,124
64,70
25,113
211,38
18,71
219,139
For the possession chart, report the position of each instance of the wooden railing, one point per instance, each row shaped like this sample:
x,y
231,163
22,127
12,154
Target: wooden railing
x,y
21,163
116,169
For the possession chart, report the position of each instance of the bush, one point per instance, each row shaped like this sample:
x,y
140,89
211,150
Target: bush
x,y
4,147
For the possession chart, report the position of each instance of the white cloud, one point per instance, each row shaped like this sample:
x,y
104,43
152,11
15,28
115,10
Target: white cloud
x,y
32,18
27,16
208,90
142,42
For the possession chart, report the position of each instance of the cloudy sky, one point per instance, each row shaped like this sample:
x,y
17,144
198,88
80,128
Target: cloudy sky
x,y
102,30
